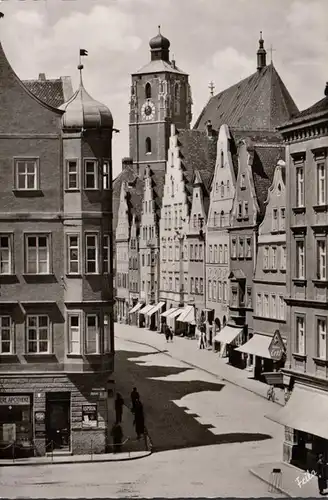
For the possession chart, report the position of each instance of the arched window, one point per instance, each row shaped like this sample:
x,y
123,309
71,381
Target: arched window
x,y
195,220
148,90
148,146
222,189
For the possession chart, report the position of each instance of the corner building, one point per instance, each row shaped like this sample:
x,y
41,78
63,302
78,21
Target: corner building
x,y
56,320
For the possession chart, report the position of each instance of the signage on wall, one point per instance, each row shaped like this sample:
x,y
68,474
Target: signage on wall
x,y
89,416
40,424
277,347
14,400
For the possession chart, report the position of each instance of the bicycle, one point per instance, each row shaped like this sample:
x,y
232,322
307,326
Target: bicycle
x,y
271,395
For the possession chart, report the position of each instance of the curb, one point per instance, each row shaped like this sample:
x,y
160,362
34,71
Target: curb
x,y
197,367
280,490
66,462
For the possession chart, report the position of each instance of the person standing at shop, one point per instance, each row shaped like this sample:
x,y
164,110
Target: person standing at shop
x,y
322,474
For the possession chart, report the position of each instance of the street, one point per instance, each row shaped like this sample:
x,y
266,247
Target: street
x,y
206,433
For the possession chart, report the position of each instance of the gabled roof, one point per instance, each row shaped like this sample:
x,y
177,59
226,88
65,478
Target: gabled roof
x,y
159,66
52,92
317,110
259,102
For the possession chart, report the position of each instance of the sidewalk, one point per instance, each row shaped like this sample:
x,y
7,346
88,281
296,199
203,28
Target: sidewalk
x,y
187,351
76,459
289,485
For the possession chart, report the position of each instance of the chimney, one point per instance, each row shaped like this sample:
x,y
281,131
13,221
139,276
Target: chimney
x,y
173,62
326,89
42,77
261,54
126,162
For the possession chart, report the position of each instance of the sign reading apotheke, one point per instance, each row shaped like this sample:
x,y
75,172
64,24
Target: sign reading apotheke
x,y
14,400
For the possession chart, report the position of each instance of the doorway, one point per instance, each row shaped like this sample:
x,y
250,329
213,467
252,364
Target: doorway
x,y
58,421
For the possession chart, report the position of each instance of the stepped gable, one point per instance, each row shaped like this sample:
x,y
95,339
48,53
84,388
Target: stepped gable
x,y
205,178
259,102
53,92
127,175
158,180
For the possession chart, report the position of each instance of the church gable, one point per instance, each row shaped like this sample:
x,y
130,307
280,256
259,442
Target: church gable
x,y
275,215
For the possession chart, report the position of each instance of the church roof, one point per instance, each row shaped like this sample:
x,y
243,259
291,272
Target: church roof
x,y
53,92
159,66
259,102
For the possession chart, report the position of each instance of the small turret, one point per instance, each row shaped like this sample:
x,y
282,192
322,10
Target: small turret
x,y
261,54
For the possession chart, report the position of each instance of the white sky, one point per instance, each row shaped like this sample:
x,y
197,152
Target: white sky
x,y
210,39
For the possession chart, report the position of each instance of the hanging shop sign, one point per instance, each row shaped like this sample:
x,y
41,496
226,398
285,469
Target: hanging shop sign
x,y
14,400
89,416
277,347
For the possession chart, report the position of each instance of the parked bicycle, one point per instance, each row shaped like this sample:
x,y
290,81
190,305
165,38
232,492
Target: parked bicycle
x,y
271,395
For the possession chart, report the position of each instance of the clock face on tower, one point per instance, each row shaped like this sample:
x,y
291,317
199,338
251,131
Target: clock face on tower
x,y
148,110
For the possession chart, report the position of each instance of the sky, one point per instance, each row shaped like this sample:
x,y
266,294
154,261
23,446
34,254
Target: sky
x,y
211,40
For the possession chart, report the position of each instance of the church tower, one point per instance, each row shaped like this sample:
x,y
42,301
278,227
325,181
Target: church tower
x,y
160,96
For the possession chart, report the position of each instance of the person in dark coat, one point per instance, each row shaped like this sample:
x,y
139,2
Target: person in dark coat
x,y
321,473
139,420
117,435
171,335
167,333
119,402
134,396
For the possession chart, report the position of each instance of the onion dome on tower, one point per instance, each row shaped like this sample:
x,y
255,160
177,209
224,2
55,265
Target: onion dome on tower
x,y
159,47
82,112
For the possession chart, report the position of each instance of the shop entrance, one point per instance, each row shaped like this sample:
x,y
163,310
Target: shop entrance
x,y
58,421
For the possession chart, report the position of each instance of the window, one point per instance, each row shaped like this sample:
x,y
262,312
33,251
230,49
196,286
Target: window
x,y
215,219
91,253
275,219
191,252
26,174
222,159
222,219
201,286
6,266
241,248
105,175
107,342
196,252
73,254
283,258
273,258
214,290
242,181
228,187
74,334
233,249
92,334
37,254
147,90
299,187
240,210
91,175
196,285
211,254
219,291
282,222
148,146
248,250
106,255
210,290
38,334
322,338
72,179
177,284
259,304
194,220
266,258
249,297
234,297
6,341
191,285
215,253
300,335
265,311
322,260
281,307
201,251
177,252
222,189
170,253
225,291
273,306
246,209
220,254
321,184
225,254
300,260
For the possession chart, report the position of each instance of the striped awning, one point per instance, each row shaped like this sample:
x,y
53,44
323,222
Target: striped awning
x,y
175,313
158,307
145,309
136,308
185,313
168,312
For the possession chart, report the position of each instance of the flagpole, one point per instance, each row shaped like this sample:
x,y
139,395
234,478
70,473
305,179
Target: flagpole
x,y
80,66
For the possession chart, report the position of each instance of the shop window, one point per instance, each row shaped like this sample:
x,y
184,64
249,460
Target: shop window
x,y
38,334
73,246
72,175
37,254
6,340
74,334
91,249
92,334
6,254
90,174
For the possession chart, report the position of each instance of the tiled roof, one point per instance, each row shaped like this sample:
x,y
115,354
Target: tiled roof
x,y
159,66
52,92
259,102
317,110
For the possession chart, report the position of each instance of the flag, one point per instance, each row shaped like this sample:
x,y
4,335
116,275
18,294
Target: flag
x,y
83,52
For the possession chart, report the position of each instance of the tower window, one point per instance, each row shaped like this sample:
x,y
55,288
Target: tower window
x,y
148,146
148,90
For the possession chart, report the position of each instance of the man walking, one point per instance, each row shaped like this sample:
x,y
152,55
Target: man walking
x,y
134,397
321,473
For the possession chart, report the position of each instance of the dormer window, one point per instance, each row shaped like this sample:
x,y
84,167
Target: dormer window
x,y
148,90
148,146
242,181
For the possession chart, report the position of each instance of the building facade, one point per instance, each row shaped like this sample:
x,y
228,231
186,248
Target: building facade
x,y
122,244
134,265
306,139
57,340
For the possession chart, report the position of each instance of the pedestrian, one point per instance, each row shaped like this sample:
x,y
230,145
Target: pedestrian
x,y
134,397
139,420
202,338
321,473
117,435
167,333
119,402
171,335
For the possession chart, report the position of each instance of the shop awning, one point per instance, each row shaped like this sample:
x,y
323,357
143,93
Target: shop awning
x,y
145,309
187,317
306,411
258,345
175,313
136,308
168,312
184,313
227,334
158,307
